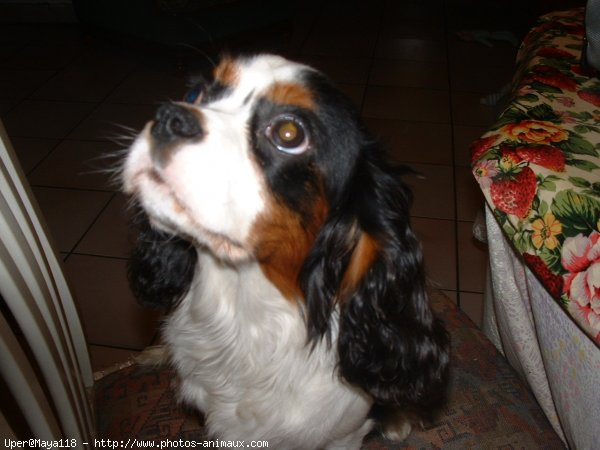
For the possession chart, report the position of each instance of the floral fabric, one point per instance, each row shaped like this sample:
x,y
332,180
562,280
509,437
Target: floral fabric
x,y
539,166
556,358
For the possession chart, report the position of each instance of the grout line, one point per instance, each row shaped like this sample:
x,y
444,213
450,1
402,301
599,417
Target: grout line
x,y
445,219
431,88
404,86
45,157
420,163
465,221
55,71
114,258
76,139
70,188
371,63
55,100
406,120
98,104
116,347
470,291
66,137
91,225
453,152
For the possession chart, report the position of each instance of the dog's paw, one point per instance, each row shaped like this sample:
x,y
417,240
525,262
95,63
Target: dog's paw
x,y
396,426
398,431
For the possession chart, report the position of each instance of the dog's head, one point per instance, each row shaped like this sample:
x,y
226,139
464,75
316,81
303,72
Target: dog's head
x,y
269,163
251,167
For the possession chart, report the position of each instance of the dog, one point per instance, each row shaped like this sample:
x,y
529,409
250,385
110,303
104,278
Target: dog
x,y
278,237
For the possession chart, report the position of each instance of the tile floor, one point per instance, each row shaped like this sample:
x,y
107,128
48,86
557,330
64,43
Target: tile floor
x,y
70,101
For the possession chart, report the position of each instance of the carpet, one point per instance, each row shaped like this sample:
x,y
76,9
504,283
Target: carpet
x,y
488,406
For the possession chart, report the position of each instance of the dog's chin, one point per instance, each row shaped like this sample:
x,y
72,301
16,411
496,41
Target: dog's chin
x,y
221,247
224,249
171,216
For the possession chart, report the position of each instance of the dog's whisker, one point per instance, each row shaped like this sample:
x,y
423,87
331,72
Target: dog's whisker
x,y
123,140
126,128
110,164
201,52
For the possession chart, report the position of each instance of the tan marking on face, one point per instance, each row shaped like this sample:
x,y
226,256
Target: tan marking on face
x,y
290,94
283,243
227,72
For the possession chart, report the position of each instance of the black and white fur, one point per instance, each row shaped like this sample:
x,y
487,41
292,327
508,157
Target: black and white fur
x,y
279,239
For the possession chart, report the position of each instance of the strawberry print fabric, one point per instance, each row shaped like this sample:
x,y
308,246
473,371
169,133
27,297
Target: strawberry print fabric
x,y
539,166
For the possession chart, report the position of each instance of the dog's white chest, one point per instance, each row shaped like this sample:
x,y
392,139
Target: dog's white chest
x,y
241,353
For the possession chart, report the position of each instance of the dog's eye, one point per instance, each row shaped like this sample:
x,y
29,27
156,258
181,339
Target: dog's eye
x,y
288,134
194,94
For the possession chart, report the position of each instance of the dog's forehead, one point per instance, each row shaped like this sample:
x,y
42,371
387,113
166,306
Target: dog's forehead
x,y
268,76
268,69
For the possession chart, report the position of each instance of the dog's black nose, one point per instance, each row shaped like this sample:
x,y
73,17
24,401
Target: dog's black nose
x,y
175,122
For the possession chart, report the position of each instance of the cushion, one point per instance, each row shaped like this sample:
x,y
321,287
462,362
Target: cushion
x,y
488,406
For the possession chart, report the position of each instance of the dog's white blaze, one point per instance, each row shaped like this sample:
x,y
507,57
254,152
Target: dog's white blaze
x,y
216,180
256,76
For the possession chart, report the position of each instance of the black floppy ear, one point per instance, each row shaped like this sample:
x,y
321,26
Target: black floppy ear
x,y
367,267
161,267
